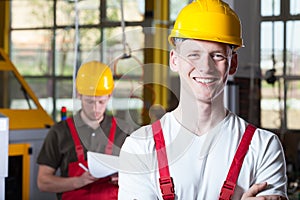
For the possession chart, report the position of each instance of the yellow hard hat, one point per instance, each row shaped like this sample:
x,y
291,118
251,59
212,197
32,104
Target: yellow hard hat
x,y
211,20
94,79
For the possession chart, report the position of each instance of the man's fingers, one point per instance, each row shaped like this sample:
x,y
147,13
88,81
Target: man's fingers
x,y
254,190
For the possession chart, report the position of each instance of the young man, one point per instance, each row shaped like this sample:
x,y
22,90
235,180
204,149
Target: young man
x,y
188,154
68,141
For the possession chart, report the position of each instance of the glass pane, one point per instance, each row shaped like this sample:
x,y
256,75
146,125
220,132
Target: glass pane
x,y
31,13
270,7
134,10
42,88
65,41
271,49
114,49
88,12
293,105
175,7
31,51
271,106
271,57
65,12
293,48
17,95
89,39
294,7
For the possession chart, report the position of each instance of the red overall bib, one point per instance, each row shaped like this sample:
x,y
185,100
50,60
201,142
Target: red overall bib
x,y
166,181
102,189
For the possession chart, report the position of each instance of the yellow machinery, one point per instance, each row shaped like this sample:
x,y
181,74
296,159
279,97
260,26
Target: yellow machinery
x,y
19,118
28,126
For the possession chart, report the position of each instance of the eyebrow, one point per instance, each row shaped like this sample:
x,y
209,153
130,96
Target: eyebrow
x,y
210,52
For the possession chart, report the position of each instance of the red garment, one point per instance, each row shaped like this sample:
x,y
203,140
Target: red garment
x,y
166,181
102,189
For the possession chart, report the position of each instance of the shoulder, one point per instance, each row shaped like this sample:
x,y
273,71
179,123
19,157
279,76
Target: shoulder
x,y
266,141
236,123
265,158
262,138
137,154
59,130
146,130
143,136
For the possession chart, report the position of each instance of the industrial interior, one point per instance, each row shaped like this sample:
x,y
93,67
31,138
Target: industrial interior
x,y
43,43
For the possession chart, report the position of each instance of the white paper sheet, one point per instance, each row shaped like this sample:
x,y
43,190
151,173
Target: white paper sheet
x,y
102,165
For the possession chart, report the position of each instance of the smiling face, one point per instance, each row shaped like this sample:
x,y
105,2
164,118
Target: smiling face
x,y
203,67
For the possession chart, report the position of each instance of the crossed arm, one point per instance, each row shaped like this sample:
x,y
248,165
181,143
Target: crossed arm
x,y
255,189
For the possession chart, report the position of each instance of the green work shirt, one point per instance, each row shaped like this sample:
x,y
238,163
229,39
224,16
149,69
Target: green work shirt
x,y
58,149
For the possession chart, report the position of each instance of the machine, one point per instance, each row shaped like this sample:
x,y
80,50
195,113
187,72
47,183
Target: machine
x,y
28,124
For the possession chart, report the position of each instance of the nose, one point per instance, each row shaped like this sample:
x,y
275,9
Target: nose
x,y
97,105
205,63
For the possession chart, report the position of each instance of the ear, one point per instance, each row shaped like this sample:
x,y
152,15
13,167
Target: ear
x,y
174,60
233,64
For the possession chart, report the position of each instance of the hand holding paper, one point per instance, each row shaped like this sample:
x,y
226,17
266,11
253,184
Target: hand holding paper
x,y
102,165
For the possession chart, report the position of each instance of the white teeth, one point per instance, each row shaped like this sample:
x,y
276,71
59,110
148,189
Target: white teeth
x,y
202,80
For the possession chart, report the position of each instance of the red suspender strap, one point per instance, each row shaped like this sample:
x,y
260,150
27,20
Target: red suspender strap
x,y
111,137
236,165
78,146
166,182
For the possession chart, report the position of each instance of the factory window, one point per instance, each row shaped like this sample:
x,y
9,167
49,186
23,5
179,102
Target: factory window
x,y
176,6
46,34
280,64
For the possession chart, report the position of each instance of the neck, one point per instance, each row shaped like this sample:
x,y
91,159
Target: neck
x,y
92,123
199,117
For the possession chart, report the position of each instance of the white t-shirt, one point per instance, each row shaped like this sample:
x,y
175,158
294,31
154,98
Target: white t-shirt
x,y
199,164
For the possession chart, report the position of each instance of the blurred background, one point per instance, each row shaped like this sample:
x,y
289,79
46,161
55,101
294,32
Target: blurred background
x,y
44,42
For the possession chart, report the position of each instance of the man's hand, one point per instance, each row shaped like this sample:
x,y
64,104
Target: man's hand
x,y
83,180
48,181
255,189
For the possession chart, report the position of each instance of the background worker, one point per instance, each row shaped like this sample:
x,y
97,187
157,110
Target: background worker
x,y
189,151
92,130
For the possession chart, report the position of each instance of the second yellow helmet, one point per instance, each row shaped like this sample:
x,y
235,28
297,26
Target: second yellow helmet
x,y
94,79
